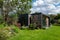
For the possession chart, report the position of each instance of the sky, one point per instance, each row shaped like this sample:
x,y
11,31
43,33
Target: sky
x,y
46,6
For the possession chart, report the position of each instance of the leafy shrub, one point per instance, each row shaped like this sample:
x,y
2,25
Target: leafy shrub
x,y
56,24
4,34
1,19
24,27
32,26
58,21
7,32
15,28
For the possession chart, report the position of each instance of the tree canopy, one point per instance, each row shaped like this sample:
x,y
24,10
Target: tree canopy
x,y
14,6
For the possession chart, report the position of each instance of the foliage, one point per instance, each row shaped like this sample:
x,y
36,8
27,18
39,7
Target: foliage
x,y
1,19
56,24
59,21
32,26
55,19
52,18
58,16
14,6
24,28
7,32
1,3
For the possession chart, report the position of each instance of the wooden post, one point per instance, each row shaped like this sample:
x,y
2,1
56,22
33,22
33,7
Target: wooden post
x,y
29,19
47,21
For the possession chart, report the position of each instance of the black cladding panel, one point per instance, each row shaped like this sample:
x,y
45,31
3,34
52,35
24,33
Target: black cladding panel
x,y
23,19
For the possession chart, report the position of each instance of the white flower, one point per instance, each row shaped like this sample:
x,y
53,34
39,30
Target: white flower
x,y
24,3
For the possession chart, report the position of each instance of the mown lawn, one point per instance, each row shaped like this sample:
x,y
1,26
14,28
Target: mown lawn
x,y
52,33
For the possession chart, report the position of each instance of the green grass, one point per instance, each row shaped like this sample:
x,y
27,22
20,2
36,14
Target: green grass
x,y
52,33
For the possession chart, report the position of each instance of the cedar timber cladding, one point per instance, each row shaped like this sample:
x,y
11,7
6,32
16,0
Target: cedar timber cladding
x,y
36,19
41,20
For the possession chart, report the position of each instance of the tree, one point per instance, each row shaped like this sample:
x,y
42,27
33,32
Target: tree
x,y
20,6
58,16
23,7
1,7
6,9
1,3
52,18
55,19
